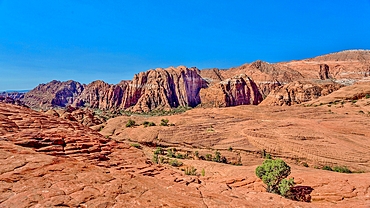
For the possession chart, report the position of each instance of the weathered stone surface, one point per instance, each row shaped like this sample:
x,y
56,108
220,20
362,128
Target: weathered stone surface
x,y
239,90
53,94
299,92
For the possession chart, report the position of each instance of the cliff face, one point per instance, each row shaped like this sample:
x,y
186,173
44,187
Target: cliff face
x,y
167,88
53,94
299,92
238,90
181,86
160,88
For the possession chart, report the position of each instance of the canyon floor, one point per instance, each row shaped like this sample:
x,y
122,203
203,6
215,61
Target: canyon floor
x,y
48,161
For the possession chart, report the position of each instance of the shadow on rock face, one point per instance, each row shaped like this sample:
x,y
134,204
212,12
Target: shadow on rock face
x,y
300,193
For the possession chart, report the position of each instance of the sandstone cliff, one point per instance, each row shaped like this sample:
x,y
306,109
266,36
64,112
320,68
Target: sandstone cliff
x,y
299,92
159,88
238,90
53,94
181,86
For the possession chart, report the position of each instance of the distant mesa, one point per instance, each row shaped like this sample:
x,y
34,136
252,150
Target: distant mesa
x,y
248,84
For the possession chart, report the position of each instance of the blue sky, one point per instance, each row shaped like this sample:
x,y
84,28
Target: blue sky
x,y
86,40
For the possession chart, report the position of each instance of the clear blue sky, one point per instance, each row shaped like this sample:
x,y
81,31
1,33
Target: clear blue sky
x,y
86,40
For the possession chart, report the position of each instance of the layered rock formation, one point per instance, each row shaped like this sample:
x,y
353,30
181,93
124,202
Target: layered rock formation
x,y
53,94
181,86
239,90
299,92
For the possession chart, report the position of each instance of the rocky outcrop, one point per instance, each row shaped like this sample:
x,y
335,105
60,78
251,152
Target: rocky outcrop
x,y
181,86
159,88
299,92
239,90
167,88
324,71
53,94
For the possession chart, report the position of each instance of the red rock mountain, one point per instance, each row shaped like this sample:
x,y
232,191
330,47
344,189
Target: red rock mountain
x,y
182,86
53,94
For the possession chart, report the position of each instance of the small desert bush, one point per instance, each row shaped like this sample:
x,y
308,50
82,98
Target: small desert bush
x,y
190,171
136,145
147,123
342,169
175,163
164,122
130,123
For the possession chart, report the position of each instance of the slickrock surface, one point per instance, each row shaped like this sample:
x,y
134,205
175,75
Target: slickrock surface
x,y
110,174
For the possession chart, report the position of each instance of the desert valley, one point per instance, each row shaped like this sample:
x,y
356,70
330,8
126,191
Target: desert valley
x,y
184,137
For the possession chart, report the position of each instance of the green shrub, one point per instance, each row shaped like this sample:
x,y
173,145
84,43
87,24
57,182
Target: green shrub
x,y
164,122
209,157
305,164
159,151
326,167
155,159
175,163
190,171
230,149
272,172
343,169
147,123
285,185
180,156
203,172
171,153
217,157
367,96
196,153
130,123
135,145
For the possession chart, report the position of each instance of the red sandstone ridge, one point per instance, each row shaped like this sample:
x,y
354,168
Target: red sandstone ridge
x,y
299,92
53,94
239,90
159,88
181,86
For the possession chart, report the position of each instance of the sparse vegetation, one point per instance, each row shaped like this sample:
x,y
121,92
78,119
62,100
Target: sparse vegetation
x,y
339,169
171,152
130,123
147,123
136,145
230,149
190,171
203,172
274,173
175,163
164,122
342,169
159,151
305,164
209,157
326,167
180,156
158,112
367,96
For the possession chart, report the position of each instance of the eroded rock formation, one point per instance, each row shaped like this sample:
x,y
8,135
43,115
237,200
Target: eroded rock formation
x,y
53,94
299,92
239,90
